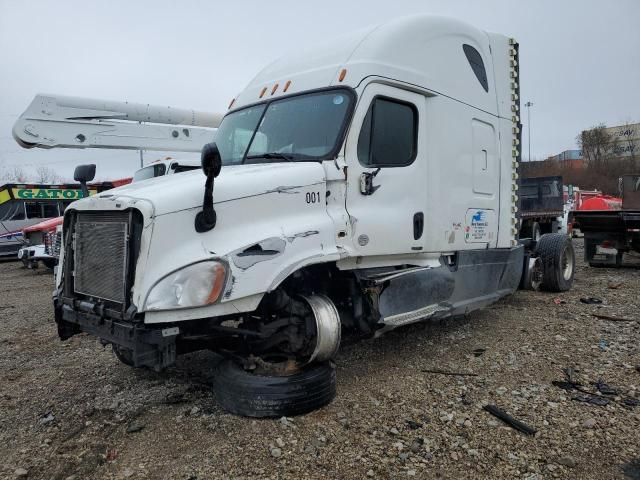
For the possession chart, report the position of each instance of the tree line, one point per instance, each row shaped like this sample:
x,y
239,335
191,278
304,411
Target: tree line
x,y
41,174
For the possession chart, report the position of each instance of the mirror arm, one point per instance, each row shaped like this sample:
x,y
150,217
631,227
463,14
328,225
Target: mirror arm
x,y
206,219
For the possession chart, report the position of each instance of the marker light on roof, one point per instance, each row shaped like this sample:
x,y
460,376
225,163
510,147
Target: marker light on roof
x,y
286,86
273,90
263,92
343,73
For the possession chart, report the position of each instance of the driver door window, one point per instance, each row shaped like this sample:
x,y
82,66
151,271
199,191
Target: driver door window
x,y
389,135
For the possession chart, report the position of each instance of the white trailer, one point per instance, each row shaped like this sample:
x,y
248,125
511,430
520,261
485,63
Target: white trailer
x,y
352,188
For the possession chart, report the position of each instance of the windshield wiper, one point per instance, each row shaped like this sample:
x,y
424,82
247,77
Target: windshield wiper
x,y
273,155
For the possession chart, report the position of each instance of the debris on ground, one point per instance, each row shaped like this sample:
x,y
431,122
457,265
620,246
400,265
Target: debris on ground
x,y
613,319
48,417
591,300
509,420
592,399
615,283
134,427
454,374
604,388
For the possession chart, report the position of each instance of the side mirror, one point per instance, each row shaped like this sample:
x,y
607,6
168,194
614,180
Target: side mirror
x,y
210,159
84,174
211,166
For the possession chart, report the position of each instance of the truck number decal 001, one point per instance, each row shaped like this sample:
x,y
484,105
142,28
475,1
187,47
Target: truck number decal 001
x,y
313,197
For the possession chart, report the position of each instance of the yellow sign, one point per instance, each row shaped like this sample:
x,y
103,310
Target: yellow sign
x,y
49,193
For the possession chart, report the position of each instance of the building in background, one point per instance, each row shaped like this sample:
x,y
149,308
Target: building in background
x,y
569,158
624,140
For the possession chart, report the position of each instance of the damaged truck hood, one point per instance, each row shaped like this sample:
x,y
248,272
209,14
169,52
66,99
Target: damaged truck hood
x,y
183,191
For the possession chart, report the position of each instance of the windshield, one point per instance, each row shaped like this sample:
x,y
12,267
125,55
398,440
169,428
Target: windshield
x,y
303,127
155,170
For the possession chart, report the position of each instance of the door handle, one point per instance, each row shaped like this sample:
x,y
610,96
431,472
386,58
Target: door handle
x,y
418,225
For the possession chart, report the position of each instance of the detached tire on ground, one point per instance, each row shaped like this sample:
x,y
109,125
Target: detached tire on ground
x,y
558,261
251,395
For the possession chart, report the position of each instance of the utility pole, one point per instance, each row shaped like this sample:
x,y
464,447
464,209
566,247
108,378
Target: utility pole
x,y
529,105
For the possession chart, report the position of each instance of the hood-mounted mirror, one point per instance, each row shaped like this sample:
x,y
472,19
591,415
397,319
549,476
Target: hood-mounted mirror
x,y
84,174
211,166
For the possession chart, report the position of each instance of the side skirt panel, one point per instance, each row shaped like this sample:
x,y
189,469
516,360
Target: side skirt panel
x,y
477,278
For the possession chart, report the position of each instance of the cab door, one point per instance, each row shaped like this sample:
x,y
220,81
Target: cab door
x,y
386,172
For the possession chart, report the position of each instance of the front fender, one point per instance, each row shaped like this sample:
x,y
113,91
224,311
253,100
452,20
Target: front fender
x,y
263,239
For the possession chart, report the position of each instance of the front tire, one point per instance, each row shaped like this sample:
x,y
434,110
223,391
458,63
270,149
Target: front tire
x,y
124,355
558,261
265,396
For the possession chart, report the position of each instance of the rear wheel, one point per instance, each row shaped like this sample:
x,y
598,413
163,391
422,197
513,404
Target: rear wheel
x,y
558,261
255,395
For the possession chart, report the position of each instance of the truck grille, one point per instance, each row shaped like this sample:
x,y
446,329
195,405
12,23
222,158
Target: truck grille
x,y
101,255
52,241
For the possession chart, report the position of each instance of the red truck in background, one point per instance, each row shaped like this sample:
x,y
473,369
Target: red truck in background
x,y
609,233
577,200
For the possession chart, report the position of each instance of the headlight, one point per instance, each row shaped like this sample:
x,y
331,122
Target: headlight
x,y
193,286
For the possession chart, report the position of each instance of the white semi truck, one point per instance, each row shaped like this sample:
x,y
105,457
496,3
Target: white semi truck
x,y
352,188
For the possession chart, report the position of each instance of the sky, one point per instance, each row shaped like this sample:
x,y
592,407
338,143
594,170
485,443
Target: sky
x,y
579,60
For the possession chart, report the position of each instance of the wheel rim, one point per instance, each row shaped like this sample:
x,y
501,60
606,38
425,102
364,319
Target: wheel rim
x,y
537,274
567,264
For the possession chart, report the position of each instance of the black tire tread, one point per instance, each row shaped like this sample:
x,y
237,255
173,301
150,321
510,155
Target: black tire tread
x,y
550,248
247,394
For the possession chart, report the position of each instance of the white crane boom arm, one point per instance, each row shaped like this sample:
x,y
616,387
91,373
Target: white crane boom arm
x,y
54,121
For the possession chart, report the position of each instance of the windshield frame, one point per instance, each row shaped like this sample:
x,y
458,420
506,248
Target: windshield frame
x,y
339,143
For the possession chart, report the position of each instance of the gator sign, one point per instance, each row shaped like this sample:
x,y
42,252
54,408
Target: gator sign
x,y
49,193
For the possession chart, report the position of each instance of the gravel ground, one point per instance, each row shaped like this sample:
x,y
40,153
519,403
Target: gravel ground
x,y
70,410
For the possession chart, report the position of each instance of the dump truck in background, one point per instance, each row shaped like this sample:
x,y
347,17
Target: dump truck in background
x,y
609,234
541,208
